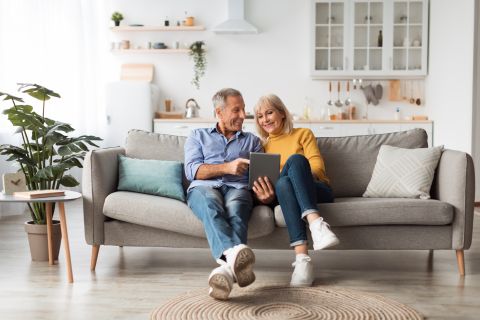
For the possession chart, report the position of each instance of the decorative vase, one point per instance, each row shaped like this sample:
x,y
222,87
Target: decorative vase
x,y
38,240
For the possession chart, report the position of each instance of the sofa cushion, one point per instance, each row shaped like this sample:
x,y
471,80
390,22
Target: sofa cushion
x,y
349,161
358,211
403,173
157,177
149,145
174,215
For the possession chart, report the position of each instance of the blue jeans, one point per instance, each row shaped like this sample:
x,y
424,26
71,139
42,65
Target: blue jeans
x,y
298,194
224,212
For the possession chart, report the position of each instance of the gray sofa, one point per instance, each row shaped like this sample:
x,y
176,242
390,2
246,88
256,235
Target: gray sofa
x,y
122,218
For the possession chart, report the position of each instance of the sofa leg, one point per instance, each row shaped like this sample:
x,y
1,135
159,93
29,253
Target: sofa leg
x,y
93,260
461,262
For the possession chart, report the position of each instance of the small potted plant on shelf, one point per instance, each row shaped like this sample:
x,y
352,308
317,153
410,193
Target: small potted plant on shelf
x,y
197,52
117,17
45,155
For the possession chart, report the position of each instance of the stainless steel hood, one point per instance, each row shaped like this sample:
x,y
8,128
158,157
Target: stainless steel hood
x,y
235,23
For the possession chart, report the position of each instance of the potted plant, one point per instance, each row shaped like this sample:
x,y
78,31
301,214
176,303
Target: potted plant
x,y
117,17
197,52
46,153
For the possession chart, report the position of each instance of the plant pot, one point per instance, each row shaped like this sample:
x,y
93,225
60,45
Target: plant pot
x,y
117,23
38,240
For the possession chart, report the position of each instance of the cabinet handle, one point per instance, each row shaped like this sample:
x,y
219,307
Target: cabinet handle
x,y
181,127
325,128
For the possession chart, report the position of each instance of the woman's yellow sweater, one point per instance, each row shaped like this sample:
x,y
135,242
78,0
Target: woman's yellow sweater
x,y
301,141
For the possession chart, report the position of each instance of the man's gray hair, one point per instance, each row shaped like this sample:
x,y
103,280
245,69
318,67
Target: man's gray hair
x,y
219,99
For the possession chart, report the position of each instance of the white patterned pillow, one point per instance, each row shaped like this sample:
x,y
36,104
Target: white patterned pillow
x,y
403,173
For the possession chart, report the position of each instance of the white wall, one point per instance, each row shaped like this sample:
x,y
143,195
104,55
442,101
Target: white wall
x,y
449,89
274,61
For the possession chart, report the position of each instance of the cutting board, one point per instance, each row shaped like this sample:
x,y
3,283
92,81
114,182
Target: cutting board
x,y
137,72
394,90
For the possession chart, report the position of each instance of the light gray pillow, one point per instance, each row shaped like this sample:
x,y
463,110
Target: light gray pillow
x,y
403,173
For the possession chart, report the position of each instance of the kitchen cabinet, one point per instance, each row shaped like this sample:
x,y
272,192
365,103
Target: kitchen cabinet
x,y
182,127
369,39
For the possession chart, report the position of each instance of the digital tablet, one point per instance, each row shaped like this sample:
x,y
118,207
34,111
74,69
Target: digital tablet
x,y
263,164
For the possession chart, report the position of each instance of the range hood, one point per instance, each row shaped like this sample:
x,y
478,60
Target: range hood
x,y
235,23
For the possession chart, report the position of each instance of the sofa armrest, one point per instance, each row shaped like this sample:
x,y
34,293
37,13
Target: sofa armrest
x,y
455,184
99,179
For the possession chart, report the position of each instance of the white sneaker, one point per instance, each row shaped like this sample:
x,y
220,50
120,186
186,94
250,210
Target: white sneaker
x,y
322,236
220,282
302,275
241,259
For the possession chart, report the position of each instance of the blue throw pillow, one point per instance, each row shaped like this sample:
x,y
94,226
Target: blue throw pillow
x,y
157,177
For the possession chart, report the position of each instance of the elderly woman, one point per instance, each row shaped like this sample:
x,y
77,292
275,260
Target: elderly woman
x,y
302,183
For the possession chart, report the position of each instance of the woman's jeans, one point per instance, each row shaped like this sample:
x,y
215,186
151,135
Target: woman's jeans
x,y
298,194
224,212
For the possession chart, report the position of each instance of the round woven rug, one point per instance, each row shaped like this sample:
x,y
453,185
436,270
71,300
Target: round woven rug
x,y
285,303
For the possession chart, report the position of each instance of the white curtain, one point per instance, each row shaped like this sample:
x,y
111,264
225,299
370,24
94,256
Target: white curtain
x,y
62,45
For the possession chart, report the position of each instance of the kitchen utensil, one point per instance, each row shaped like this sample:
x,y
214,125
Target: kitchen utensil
x,y
348,101
378,90
330,102
412,99
191,108
338,103
418,101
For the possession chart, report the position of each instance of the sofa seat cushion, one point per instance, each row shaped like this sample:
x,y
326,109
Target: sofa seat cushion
x,y
358,211
173,215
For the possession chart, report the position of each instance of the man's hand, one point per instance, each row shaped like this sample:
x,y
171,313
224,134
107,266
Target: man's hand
x,y
238,167
263,190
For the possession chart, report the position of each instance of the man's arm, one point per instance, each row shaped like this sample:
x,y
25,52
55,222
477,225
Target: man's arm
x,y
236,167
196,169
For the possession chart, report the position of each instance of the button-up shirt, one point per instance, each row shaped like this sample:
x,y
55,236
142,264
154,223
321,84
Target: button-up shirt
x,y
209,146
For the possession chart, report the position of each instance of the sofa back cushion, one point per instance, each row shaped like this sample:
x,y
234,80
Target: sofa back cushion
x,y
148,145
349,161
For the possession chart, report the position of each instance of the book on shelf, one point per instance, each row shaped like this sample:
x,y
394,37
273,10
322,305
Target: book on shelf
x,y
34,194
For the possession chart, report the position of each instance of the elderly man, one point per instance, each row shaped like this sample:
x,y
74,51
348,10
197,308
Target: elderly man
x,y
218,192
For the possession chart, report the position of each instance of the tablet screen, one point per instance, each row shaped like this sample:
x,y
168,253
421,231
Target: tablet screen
x,y
263,164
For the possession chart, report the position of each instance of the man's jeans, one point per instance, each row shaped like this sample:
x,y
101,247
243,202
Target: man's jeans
x,y
224,213
298,194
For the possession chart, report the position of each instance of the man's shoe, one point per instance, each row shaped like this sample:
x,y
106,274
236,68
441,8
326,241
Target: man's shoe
x,y
302,275
241,259
322,236
220,282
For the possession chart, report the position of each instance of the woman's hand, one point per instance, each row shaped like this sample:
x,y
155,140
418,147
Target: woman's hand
x,y
263,190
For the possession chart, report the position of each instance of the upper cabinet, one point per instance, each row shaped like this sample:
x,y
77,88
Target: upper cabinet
x,y
369,38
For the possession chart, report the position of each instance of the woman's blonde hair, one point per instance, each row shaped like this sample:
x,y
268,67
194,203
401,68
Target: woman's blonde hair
x,y
271,100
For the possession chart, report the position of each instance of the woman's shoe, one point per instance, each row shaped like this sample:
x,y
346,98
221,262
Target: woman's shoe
x,y
322,236
302,275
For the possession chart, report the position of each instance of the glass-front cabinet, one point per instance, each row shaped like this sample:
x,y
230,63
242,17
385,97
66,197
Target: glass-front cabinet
x,y
369,38
330,36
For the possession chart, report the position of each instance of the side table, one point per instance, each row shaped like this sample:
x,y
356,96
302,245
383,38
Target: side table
x,y
69,196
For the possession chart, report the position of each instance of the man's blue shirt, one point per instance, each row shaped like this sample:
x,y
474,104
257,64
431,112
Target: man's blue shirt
x,y
209,146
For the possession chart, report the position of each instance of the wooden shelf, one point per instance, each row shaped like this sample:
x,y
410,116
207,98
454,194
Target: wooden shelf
x,y
156,28
164,51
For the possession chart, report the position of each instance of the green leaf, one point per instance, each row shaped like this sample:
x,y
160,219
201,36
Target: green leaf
x,y
10,97
69,181
37,91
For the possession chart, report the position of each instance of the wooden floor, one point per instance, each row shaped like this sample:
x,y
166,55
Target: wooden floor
x,y
130,282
